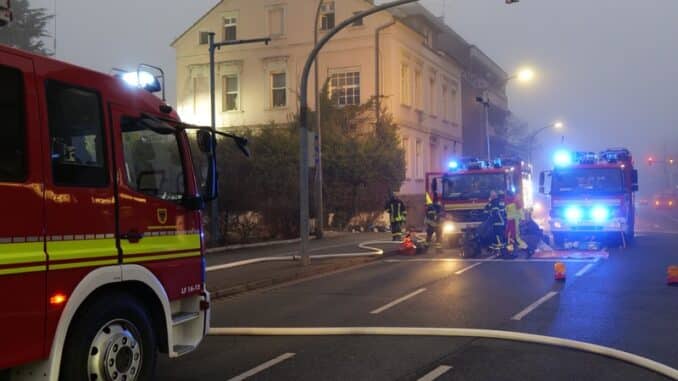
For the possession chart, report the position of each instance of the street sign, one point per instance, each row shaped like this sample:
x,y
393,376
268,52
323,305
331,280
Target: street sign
x,y
5,12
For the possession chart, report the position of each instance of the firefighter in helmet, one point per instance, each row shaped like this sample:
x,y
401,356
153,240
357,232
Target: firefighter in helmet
x,y
398,214
432,220
496,210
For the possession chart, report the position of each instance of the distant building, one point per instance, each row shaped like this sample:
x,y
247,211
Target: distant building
x,y
422,85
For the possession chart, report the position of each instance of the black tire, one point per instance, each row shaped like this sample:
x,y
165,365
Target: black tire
x,y
97,317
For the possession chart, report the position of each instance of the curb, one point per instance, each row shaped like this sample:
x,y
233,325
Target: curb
x,y
301,274
219,249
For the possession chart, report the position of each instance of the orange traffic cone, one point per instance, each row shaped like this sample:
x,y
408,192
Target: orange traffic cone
x,y
559,271
672,275
407,246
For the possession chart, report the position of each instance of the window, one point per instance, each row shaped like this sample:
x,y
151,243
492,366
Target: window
x,y
418,93
327,16
432,96
418,160
408,158
76,136
358,22
153,163
203,38
230,28
278,90
231,98
345,88
13,131
276,22
433,160
405,97
445,107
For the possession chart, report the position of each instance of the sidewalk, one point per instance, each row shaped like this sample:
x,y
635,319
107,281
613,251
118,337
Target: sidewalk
x,y
336,243
222,282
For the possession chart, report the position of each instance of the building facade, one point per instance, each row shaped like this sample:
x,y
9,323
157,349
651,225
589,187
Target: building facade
x,y
394,55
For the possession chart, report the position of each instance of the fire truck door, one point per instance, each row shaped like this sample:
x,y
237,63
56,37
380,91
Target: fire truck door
x,y
22,254
155,229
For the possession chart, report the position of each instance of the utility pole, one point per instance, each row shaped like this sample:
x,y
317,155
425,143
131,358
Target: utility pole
x,y
215,233
320,213
303,122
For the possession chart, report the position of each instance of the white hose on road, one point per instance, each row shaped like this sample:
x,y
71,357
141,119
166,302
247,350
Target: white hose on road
x,y
630,358
364,245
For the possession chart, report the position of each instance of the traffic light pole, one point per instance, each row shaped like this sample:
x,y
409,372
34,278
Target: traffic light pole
x,y
303,122
215,233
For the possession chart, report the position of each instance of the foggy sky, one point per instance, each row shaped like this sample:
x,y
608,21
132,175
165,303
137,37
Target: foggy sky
x,y
608,68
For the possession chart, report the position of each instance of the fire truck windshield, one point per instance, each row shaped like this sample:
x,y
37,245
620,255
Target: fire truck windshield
x,y
472,185
587,180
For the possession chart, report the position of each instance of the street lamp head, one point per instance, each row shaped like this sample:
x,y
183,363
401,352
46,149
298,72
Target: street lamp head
x,y
525,74
558,125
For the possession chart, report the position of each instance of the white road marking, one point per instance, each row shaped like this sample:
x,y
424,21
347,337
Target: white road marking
x,y
584,270
397,301
534,305
467,268
262,367
435,373
492,259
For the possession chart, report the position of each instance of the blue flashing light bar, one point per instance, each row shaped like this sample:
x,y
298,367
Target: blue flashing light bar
x,y
600,213
453,165
574,214
562,158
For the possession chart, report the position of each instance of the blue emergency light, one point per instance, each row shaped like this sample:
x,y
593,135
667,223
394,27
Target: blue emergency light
x,y
453,165
562,158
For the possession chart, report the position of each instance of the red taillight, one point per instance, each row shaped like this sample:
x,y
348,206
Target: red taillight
x,y
57,299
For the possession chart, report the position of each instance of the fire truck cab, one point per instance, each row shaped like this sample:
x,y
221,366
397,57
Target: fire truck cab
x,y
101,247
591,196
464,190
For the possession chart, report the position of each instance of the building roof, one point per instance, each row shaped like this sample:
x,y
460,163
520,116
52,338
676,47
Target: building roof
x,y
196,22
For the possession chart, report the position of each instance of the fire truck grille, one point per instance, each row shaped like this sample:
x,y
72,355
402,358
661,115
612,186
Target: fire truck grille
x,y
472,215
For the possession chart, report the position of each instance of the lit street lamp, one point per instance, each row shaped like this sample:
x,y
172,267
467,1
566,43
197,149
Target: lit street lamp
x,y
556,125
523,75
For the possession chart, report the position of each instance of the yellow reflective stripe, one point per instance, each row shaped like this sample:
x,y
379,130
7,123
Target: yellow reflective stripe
x,y
25,252
81,249
464,206
75,265
160,257
20,270
155,244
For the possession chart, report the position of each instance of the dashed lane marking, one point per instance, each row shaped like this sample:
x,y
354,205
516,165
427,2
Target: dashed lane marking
x,y
262,367
534,305
467,268
584,270
397,301
435,373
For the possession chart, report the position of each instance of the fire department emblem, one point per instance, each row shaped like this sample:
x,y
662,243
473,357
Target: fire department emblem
x,y
162,215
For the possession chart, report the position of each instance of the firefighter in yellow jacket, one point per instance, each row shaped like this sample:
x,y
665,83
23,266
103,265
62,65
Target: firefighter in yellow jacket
x,y
514,215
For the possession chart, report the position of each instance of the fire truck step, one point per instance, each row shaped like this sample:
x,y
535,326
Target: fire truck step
x,y
181,350
184,317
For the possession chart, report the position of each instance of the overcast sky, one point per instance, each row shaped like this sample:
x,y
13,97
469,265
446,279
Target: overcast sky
x,y
608,68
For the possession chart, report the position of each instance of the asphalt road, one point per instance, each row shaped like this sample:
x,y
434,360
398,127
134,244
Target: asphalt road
x,y
622,302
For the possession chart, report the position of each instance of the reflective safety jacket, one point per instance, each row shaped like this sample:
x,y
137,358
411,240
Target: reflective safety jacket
x,y
433,212
497,211
396,209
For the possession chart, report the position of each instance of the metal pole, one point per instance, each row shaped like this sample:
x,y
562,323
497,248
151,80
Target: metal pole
x,y
320,213
214,211
303,127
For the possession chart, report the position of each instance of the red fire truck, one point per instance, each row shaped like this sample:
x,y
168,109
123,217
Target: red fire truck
x,y
101,251
591,196
464,190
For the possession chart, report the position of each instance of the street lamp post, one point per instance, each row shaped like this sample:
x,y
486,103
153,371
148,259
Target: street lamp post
x,y
303,122
523,75
532,136
320,214
213,46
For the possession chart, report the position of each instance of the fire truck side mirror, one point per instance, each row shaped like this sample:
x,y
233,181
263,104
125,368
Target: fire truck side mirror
x,y
634,180
206,143
542,179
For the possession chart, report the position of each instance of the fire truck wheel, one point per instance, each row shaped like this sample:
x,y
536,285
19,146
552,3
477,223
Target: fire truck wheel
x,y
111,339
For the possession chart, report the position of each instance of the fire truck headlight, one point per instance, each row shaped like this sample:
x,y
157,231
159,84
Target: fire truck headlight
x,y
448,227
573,214
600,213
